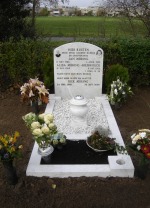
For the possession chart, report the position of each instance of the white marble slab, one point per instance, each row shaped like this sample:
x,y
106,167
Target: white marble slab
x,y
112,169
78,70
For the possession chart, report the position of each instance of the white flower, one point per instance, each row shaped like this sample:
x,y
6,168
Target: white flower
x,y
31,93
136,138
29,118
142,134
45,130
133,135
46,121
51,125
134,141
138,147
116,92
62,140
144,130
35,125
42,90
23,88
41,116
35,81
55,142
37,132
48,117
112,85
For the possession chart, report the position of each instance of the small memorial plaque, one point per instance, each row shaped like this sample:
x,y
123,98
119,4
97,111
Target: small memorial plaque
x,y
78,70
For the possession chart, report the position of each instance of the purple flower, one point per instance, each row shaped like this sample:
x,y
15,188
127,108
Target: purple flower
x,y
6,156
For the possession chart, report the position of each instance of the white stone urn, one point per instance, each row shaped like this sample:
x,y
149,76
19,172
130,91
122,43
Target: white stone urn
x,y
79,110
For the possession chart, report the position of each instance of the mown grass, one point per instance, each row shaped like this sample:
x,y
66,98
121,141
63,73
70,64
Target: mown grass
x,y
88,26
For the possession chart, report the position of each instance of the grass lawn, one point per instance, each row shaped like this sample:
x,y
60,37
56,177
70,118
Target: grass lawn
x,y
88,26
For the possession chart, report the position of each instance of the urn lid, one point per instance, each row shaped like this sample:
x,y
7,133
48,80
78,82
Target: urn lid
x,y
78,100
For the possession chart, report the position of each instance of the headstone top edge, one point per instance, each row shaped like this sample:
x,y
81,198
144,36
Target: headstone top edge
x,y
78,43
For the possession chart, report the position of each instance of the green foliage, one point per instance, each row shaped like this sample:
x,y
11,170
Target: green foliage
x,y
113,72
13,19
135,54
44,12
88,26
21,60
48,72
26,59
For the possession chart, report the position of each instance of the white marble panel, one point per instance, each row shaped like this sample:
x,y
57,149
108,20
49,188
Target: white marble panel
x,y
78,70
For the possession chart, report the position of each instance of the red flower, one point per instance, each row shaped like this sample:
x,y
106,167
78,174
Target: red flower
x,y
145,149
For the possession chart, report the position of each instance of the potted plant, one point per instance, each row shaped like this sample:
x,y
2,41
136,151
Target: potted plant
x,y
101,143
141,145
10,148
34,91
44,131
119,93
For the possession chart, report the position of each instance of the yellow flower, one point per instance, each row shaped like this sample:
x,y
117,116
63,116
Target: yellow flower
x,y
16,134
12,149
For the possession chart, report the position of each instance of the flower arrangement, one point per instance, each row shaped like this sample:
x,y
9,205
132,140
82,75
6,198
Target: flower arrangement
x,y
34,90
141,143
119,92
44,130
102,142
10,147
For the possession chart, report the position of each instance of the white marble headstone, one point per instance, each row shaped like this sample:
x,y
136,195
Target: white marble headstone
x,y
78,70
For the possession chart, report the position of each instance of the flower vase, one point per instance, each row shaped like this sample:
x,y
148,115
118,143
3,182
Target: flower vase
x,y
141,171
35,107
10,172
116,106
46,154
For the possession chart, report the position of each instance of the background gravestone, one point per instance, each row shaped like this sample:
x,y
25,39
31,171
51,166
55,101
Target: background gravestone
x,y
78,70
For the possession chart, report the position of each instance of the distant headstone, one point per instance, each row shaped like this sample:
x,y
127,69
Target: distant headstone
x,y
78,70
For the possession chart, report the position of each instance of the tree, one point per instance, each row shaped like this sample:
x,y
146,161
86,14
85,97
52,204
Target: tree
x,y
136,8
101,12
13,19
90,13
36,2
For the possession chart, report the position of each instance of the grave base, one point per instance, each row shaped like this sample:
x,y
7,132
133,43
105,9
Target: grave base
x,y
118,165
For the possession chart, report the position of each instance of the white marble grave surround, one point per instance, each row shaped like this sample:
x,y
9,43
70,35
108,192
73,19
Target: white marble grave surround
x,y
119,166
78,70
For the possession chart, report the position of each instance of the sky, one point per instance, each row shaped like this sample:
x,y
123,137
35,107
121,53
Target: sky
x,y
81,3
78,3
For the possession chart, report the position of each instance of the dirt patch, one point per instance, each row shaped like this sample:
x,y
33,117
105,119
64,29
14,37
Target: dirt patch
x,y
89,192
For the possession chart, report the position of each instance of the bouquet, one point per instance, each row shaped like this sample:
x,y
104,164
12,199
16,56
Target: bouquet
x,y
43,129
34,91
10,147
141,144
119,92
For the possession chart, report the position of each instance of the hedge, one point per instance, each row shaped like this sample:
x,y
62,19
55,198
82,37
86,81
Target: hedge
x,y
24,59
